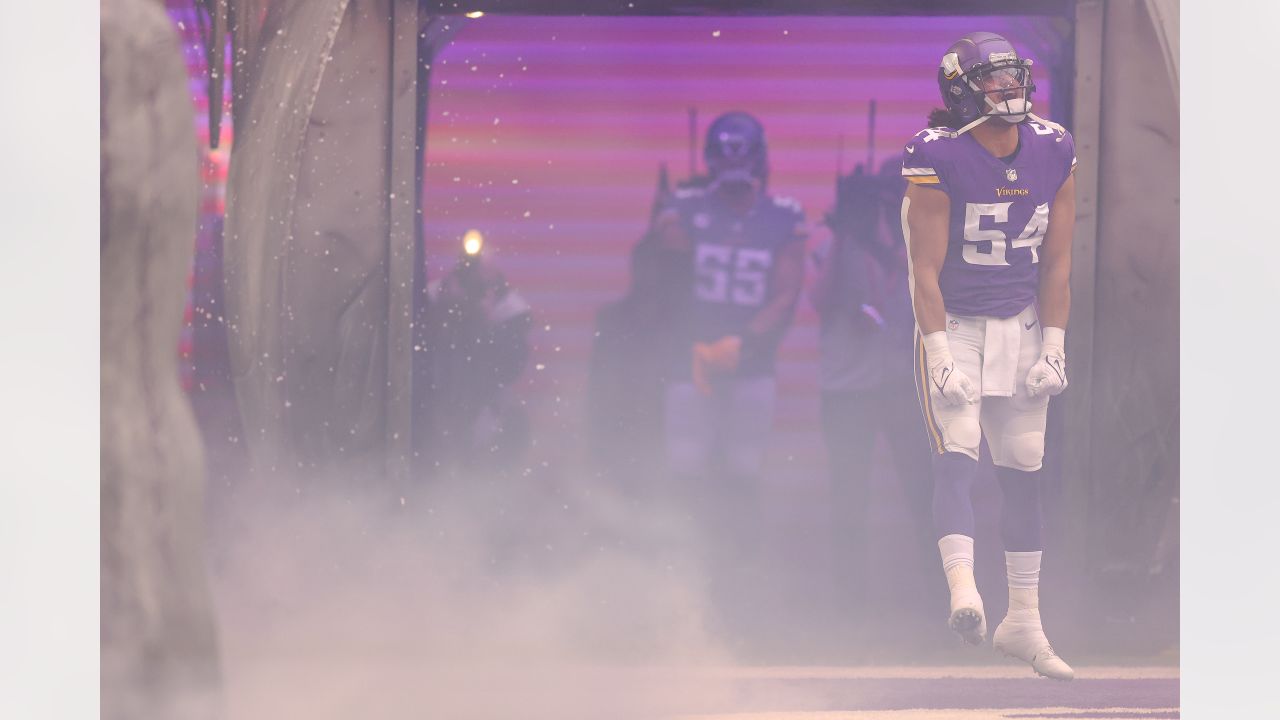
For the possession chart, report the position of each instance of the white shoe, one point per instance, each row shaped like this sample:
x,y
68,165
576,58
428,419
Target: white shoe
x,y
967,616
1021,636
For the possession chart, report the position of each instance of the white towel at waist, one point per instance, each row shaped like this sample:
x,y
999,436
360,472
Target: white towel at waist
x,y
1000,350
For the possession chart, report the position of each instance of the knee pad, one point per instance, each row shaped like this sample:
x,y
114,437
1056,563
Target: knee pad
x,y
963,435
1023,452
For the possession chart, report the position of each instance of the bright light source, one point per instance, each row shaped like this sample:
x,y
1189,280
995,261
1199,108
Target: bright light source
x,y
472,241
476,14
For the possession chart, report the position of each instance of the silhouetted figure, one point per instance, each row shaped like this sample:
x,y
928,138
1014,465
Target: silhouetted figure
x,y
477,345
860,293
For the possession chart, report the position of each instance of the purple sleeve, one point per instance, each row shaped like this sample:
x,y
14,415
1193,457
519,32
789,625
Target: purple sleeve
x,y
921,161
1068,149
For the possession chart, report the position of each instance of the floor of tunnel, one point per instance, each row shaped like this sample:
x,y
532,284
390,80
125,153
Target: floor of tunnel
x,y
990,692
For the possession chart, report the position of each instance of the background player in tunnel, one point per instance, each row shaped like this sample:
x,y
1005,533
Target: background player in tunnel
x,y
988,216
738,254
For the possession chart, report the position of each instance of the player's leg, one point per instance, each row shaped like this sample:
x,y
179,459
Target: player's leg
x,y
953,523
740,577
955,434
1021,634
1015,434
747,423
689,431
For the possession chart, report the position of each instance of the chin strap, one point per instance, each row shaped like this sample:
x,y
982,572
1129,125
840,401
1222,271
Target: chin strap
x,y
1030,115
971,125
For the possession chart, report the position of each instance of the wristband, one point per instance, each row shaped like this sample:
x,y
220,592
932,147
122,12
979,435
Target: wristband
x,y
937,347
1055,337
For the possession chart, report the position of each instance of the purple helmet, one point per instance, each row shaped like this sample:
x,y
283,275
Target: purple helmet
x,y
735,149
981,63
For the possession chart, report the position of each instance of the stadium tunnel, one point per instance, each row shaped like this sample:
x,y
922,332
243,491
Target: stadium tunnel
x,y
451,138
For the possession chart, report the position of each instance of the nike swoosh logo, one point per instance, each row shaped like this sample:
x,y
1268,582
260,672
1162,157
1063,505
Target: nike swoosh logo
x,y
946,373
911,148
1030,325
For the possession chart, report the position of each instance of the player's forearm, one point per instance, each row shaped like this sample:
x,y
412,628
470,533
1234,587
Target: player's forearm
x,y
774,317
926,301
1055,258
1055,296
788,280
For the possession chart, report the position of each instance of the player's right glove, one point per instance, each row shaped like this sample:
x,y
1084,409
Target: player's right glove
x,y
1049,374
954,386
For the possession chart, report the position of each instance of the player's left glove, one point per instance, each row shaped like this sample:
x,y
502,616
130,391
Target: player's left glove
x,y
1049,374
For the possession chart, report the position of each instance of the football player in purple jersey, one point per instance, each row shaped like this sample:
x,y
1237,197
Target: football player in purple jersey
x,y
739,254
988,217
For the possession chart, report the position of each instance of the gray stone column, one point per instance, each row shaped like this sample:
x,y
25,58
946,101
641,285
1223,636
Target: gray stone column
x,y
159,651
319,243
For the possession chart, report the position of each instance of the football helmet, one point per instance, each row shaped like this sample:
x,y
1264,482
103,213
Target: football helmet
x,y
981,74
735,151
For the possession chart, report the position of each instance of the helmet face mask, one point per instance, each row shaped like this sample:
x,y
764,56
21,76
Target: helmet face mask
x,y
981,74
1005,89
735,152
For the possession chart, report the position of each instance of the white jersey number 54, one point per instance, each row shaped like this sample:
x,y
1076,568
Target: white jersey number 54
x,y
1031,237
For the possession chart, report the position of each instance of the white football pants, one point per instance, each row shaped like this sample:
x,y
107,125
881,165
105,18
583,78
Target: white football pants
x,y
996,354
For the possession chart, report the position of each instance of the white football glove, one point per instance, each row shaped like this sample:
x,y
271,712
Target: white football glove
x,y
956,387
1049,374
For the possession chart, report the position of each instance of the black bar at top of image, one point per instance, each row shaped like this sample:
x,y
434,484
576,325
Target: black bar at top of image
x,y
1061,8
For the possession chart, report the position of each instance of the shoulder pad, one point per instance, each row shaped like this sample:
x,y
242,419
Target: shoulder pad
x,y
1046,127
928,135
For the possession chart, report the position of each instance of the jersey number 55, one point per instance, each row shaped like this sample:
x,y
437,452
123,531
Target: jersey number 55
x,y
734,275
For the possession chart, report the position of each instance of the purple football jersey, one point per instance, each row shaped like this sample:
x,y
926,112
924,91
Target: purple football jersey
x,y
999,212
733,263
